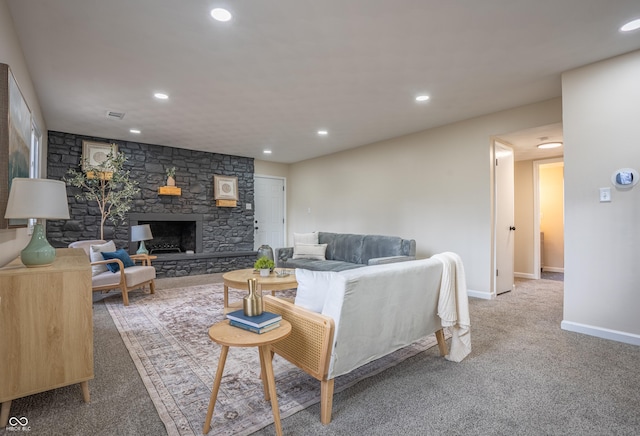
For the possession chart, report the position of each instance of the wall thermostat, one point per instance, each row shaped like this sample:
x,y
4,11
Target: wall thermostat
x,y
625,178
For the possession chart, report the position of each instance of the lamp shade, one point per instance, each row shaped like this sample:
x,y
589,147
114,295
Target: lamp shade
x,y
37,198
141,233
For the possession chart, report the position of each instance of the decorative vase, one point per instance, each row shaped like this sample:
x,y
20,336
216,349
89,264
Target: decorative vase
x,y
265,251
252,303
171,181
264,272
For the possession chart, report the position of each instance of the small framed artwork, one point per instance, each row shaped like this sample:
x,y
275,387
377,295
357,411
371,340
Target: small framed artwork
x,y
225,187
95,153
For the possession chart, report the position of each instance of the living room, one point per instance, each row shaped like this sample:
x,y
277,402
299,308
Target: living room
x,y
435,185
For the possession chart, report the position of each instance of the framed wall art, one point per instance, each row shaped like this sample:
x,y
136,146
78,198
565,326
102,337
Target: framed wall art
x,y
95,153
225,187
15,140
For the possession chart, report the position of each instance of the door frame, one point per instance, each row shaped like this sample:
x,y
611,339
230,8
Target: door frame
x,y
284,205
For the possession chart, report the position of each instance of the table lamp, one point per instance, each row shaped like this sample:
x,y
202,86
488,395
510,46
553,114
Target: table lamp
x,y
141,233
39,199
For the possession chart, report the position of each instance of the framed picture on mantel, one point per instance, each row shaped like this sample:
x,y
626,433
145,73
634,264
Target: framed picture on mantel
x,y
225,187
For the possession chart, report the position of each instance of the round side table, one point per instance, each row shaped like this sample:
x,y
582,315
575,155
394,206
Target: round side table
x,y
229,336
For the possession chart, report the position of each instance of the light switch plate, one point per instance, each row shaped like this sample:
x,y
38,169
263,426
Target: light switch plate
x,y
605,195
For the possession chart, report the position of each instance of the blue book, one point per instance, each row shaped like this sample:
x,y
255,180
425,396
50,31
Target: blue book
x,y
250,328
265,318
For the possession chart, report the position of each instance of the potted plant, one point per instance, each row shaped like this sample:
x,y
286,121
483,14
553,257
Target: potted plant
x,y
264,265
171,174
108,184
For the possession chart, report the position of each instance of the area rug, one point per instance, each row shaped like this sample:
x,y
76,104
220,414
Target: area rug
x,y
166,335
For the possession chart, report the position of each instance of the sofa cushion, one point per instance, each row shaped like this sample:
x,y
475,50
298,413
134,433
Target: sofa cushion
x,y
318,265
374,246
96,255
118,254
305,238
312,288
342,246
309,251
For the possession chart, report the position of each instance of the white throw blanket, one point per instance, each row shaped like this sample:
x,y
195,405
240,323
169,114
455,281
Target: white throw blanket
x,y
453,305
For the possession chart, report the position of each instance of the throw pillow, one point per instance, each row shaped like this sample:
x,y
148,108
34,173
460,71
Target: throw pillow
x,y
312,288
305,238
118,254
95,253
310,251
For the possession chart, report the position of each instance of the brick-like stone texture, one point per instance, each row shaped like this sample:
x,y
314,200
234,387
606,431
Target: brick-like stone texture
x,y
227,231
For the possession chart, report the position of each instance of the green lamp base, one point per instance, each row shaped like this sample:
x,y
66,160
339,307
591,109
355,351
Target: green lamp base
x,y
38,251
142,249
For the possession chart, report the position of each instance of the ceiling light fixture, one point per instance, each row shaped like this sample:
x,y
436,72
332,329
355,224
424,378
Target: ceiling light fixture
x,y
323,132
544,144
220,14
266,151
631,25
161,96
136,131
422,98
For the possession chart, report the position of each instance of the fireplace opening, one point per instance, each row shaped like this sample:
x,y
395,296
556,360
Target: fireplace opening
x,y
172,233
171,236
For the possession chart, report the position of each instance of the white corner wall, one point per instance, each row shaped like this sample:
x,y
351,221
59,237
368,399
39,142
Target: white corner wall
x,y
12,241
433,186
602,134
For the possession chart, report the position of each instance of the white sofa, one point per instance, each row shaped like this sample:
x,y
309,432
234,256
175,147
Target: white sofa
x,y
343,320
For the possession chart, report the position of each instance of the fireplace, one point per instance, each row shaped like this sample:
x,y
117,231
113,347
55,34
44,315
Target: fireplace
x,y
172,233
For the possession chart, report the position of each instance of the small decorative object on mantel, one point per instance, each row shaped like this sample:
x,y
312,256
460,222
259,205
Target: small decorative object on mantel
x,y
225,190
264,265
171,188
171,174
252,303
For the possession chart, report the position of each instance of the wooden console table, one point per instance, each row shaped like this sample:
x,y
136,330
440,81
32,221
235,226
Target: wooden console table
x,y
46,327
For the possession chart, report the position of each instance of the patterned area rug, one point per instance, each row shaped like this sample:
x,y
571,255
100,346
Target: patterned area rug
x,y
166,335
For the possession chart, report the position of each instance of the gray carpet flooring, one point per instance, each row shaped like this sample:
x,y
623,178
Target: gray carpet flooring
x,y
525,376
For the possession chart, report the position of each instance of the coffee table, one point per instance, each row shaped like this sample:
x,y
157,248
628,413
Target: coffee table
x,y
238,280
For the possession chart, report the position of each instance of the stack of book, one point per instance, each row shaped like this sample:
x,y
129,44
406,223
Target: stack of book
x,y
258,324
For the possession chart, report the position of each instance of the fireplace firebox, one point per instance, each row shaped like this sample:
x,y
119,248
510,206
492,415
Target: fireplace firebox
x,y
172,233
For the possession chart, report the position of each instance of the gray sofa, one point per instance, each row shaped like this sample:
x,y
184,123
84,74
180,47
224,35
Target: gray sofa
x,y
347,251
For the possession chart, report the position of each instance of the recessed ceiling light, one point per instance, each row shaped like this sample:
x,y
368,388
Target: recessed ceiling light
x,y
266,151
161,96
422,98
323,132
220,14
136,131
550,145
631,25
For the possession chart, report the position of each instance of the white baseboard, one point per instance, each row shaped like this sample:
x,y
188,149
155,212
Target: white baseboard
x,y
480,294
552,269
600,332
524,275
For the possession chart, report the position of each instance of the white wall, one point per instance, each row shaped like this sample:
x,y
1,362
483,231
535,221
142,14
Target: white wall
x,y
602,240
12,241
433,186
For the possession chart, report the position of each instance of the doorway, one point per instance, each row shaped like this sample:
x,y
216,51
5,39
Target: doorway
x,y
548,199
269,216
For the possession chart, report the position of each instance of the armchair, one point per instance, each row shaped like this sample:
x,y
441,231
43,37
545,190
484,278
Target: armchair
x,y
125,279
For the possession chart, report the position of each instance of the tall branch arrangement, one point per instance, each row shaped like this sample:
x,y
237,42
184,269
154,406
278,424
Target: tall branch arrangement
x,y
108,184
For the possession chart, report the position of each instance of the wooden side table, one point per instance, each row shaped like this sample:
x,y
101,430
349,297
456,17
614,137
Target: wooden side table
x,y
229,336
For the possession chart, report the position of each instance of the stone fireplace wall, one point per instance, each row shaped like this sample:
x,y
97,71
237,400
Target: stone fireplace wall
x,y
227,234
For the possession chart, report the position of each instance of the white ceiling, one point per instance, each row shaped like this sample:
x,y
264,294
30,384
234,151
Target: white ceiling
x,y
282,69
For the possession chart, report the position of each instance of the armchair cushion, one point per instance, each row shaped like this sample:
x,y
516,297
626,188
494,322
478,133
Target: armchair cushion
x,y
118,254
96,255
